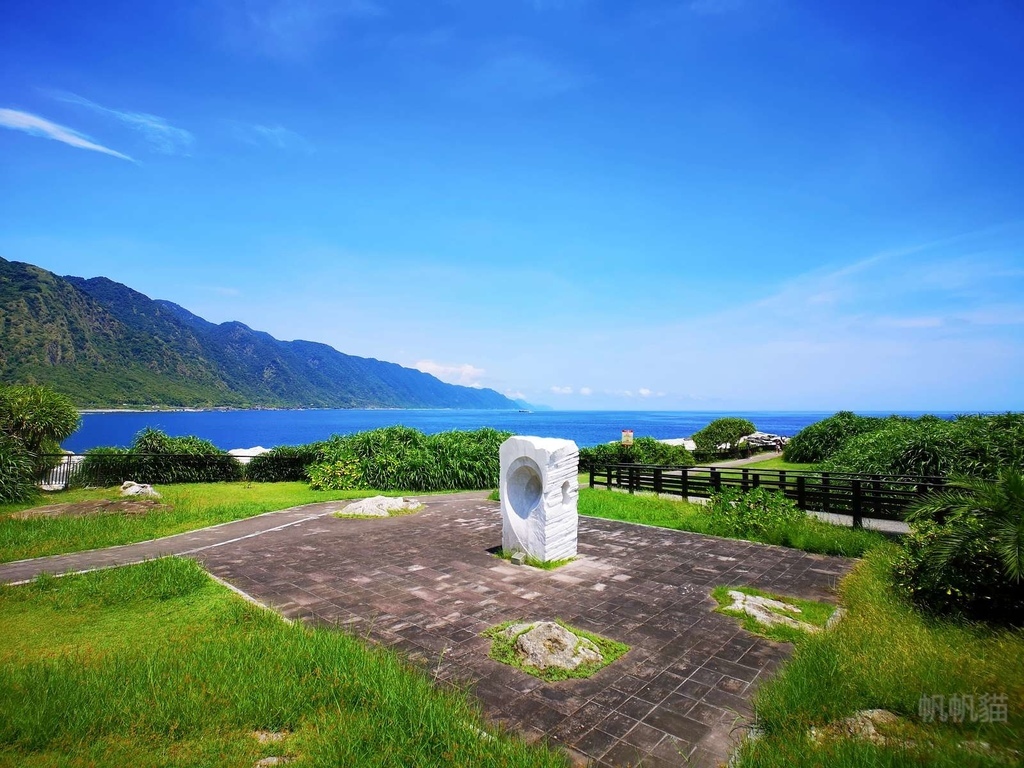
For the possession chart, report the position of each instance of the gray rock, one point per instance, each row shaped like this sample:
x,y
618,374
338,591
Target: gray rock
x,y
766,610
129,488
379,506
545,644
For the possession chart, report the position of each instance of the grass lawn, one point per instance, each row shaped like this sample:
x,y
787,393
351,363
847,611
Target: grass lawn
x,y
192,506
778,463
157,665
884,654
809,534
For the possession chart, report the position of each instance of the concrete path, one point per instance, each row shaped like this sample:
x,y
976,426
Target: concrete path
x,y
749,460
428,584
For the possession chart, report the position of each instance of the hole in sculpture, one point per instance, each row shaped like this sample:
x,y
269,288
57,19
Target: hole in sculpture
x,y
524,489
565,492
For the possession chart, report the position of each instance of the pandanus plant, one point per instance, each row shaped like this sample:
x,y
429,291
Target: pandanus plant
x,y
969,509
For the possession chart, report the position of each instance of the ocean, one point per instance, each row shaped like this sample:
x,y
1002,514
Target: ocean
x,y
247,429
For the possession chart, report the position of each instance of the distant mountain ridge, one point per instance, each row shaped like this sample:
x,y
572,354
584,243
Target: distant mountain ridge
x,y
107,345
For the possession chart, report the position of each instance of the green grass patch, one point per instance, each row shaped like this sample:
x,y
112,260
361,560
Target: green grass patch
x,y
192,506
779,463
503,649
808,534
885,654
811,612
156,664
494,495
544,565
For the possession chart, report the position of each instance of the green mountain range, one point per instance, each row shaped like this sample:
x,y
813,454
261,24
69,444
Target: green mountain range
x,y
107,346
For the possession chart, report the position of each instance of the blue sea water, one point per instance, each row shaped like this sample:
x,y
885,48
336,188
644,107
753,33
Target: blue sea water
x,y
246,429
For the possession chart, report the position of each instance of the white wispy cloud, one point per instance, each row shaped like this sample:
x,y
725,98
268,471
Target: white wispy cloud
x,y
276,136
161,135
38,126
465,374
561,390
644,392
289,28
586,391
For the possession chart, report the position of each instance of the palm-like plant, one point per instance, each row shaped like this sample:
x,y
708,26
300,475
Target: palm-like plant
x,y
969,509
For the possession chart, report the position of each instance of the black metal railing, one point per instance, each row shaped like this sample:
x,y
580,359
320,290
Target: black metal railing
x,y
62,471
882,497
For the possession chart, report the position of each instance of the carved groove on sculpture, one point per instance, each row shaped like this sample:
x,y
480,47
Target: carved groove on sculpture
x,y
539,491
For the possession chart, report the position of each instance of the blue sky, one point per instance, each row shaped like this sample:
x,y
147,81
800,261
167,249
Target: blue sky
x,y
706,204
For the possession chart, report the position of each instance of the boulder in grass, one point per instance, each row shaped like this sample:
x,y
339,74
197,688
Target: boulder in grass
x,y
545,644
129,488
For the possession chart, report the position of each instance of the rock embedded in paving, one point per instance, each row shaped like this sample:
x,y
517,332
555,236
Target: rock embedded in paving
x,y
545,644
765,610
379,506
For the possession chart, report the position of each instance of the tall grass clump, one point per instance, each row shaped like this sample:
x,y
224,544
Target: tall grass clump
x,y
820,440
885,654
155,457
282,464
401,457
161,662
16,471
644,450
975,446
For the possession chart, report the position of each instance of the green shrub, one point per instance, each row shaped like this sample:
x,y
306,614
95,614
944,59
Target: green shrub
x,y
820,440
155,457
964,554
394,458
726,431
16,471
37,416
644,450
754,514
282,464
977,446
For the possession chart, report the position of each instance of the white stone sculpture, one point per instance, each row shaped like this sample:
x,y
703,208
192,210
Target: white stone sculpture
x,y
539,491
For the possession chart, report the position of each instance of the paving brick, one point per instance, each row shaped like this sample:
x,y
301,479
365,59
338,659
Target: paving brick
x,y
428,584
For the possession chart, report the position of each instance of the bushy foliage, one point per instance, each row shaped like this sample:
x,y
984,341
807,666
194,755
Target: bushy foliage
x,y
644,450
399,457
965,551
977,446
16,471
754,514
283,464
38,417
820,440
155,457
725,431
33,421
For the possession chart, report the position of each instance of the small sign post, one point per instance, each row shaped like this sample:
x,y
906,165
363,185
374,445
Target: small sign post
x,y
627,437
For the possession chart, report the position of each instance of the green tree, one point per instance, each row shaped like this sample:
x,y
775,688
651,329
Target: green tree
x,y
725,431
